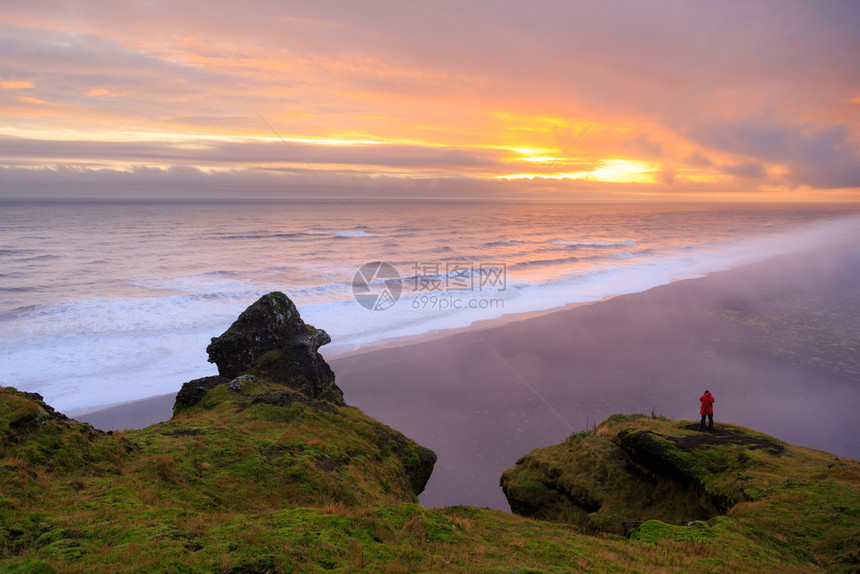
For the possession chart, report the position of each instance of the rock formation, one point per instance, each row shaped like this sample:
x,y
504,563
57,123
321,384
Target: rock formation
x,y
624,473
270,339
269,356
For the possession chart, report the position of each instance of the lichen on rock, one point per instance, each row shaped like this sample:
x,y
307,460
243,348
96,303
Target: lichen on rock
x,y
270,339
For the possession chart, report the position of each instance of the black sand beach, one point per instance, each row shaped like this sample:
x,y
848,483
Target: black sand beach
x,y
132,415
777,343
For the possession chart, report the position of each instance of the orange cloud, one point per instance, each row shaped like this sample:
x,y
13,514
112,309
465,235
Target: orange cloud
x,y
15,84
462,93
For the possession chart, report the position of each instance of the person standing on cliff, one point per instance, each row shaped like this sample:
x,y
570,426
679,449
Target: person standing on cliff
x,y
707,410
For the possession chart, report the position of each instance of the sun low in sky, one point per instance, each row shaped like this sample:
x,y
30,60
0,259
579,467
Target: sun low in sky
x,y
485,99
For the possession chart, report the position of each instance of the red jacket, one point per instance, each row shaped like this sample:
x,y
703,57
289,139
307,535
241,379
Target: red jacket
x,y
707,404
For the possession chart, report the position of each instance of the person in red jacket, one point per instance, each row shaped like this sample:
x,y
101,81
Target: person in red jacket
x,y
707,410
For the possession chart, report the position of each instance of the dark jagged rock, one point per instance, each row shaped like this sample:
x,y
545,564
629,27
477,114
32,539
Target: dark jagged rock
x,y
193,392
269,339
631,525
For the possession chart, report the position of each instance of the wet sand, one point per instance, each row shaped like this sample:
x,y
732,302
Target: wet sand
x,y
777,343
131,415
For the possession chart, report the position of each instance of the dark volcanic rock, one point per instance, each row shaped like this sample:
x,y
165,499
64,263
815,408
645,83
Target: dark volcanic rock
x,y
193,391
270,339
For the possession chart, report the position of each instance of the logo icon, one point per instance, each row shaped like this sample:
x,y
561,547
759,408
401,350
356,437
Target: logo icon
x,y
376,285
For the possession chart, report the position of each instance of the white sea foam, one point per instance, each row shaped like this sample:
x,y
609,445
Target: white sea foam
x,y
418,313
624,243
91,336
358,233
348,233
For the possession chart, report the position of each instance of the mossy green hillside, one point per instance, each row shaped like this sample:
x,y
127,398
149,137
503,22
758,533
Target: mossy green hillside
x,y
653,475
267,480
254,450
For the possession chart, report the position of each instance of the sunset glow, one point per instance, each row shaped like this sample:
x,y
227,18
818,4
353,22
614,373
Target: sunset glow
x,y
681,102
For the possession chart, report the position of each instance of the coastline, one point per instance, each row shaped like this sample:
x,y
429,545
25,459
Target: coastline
x,y
484,396
157,339
140,413
768,339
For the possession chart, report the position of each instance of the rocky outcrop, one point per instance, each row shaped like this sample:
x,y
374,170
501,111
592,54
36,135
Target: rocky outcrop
x,y
269,339
193,391
268,358
636,468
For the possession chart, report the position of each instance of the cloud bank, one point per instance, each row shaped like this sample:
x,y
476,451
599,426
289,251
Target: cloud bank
x,y
692,99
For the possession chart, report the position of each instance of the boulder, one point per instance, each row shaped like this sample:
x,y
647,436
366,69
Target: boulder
x,y
269,339
193,392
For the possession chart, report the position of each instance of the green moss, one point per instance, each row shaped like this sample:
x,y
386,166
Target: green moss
x,y
618,417
664,474
578,436
269,358
16,411
234,485
27,566
655,531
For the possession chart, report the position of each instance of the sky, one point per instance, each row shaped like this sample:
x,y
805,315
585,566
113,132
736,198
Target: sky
x,y
547,99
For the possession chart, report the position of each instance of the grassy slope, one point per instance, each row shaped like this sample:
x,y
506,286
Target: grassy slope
x,y
748,495
231,485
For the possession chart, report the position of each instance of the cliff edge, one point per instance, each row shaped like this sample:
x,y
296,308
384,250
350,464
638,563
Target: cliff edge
x,y
263,469
659,479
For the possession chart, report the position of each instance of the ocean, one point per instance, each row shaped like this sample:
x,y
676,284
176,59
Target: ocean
x,y
103,303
